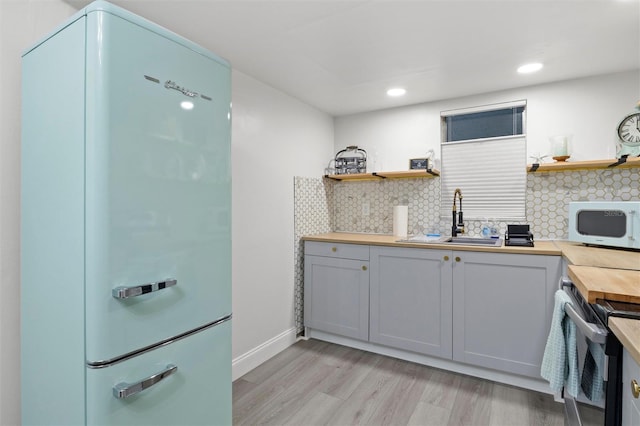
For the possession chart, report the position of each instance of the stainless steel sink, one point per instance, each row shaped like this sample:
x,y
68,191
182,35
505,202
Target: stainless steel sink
x,y
463,241
423,239
471,241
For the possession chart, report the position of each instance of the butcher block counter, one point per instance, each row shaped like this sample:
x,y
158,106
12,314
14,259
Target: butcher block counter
x,y
541,247
628,332
603,273
621,285
579,254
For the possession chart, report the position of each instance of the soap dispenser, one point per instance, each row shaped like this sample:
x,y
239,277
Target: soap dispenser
x,y
485,229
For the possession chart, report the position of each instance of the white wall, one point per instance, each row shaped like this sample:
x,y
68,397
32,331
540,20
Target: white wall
x,y
275,138
588,108
22,23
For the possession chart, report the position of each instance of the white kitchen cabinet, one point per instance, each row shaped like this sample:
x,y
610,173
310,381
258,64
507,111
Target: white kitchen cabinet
x,y
630,402
410,299
336,289
502,309
483,309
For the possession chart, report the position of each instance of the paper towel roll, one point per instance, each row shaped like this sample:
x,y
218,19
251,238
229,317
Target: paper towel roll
x,y
400,221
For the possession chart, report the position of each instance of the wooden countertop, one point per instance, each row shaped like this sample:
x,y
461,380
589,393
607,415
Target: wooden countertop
x,y
603,273
579,254
628,331
541,247
606,283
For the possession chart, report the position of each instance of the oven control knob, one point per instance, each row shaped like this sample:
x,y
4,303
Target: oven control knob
x,y
635,388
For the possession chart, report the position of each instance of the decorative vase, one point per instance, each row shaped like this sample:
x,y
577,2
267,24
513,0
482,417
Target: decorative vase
x,y
561,147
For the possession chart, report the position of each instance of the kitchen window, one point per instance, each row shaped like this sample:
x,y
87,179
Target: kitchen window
x,y
484,154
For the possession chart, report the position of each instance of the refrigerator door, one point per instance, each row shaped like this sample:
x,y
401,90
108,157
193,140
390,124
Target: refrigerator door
x,y
196,392
158,239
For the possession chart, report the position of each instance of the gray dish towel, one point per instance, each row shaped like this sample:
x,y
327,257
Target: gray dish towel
x,y
593,372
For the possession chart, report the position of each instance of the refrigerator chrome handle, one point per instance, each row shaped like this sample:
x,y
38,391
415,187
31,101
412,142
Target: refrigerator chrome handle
x,y
127,292
125,390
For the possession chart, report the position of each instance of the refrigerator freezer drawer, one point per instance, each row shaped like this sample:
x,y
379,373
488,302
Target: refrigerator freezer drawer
x,y
188,382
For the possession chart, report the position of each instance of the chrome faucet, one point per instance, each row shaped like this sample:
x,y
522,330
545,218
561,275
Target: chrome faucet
x,y
457,228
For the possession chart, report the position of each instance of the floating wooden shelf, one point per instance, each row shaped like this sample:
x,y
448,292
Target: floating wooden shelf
x,y
559,166
387,175
562,166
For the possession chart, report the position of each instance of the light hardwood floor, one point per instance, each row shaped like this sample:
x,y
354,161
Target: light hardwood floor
x,y
320,383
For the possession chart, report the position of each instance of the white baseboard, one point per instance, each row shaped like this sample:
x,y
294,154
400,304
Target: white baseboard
x,y
256,356
537,385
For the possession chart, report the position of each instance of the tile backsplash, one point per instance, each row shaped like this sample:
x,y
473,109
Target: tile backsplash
x,y
421,195
367,206
324,205
313,214
548,195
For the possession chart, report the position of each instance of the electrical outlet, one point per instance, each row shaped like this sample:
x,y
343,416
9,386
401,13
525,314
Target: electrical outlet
x,y
365,209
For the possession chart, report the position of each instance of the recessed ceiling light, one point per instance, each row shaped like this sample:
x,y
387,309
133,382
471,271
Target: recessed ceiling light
x,y
529,68
397,91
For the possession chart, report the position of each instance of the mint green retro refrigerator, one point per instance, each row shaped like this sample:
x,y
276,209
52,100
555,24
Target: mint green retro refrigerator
x,y
125,226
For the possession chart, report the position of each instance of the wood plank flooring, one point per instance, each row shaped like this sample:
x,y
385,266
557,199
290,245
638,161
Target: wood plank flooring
x,y
320,383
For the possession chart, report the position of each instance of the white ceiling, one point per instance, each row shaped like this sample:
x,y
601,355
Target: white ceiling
x,y
342,55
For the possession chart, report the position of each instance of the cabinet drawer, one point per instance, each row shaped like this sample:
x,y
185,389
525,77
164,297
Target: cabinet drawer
x,y
344,251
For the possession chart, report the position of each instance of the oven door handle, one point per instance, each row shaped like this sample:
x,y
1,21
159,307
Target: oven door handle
x,y
591,331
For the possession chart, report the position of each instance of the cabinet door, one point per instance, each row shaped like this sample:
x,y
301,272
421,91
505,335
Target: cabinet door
x,y
502,309
336,296
630,404
411,299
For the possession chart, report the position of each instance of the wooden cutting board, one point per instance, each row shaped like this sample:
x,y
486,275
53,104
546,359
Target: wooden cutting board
x,y
603,283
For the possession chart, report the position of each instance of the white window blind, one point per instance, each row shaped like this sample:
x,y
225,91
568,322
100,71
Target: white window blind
x,y
491,173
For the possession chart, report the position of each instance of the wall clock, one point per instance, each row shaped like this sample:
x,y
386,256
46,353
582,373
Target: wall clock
x,y
629,135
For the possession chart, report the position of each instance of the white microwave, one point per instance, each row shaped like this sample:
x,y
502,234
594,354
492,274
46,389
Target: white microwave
x,y
605,223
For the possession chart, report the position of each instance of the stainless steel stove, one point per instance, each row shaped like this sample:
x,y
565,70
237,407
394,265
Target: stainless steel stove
x,y
610,308
592,323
